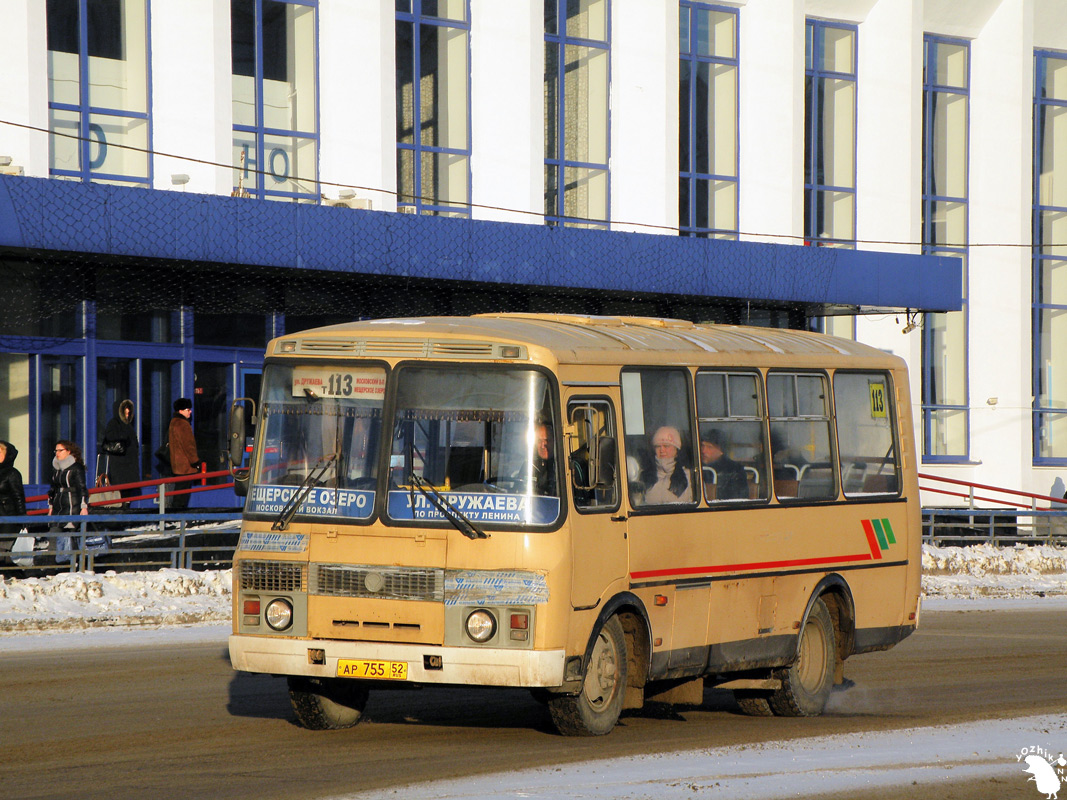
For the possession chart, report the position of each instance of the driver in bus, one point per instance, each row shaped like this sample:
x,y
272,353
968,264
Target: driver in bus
x,y
544,464
667,478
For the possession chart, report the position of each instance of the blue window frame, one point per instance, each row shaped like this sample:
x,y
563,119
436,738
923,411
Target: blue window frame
x,y
830,134
274,51
708,39
99,91
577,141
433,120
946,100
1050,259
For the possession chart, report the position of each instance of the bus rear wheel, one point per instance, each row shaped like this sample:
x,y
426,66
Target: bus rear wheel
x,y
596,708
323,704
806,684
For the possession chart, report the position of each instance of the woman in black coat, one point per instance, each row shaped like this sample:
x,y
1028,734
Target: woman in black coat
x,y
121,454
12,495
68,493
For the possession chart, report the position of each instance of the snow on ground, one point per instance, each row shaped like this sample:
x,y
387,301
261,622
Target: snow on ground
x,y
850,764
68,610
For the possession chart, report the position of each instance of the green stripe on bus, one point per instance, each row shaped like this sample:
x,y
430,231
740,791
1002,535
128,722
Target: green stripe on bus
x,y
880,534
889,531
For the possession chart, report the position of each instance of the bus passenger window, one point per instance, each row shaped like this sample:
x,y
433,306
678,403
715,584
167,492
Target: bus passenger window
x,y
594,455
659,437
733,460
865,415
799,410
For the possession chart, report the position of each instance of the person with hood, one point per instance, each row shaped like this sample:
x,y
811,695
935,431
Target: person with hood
x,y
120,449
12,495
184,459
667,479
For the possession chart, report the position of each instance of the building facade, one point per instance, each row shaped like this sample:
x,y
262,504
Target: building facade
x,y
880,169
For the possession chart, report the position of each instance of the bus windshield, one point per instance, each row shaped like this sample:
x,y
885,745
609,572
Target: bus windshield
x,y
321,426
482,438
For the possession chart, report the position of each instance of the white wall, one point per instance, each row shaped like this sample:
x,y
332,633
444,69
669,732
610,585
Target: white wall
x,y
507,113
644,116
191,97
24,99
357,103
771,164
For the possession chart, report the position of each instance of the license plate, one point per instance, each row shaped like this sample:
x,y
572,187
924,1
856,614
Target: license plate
x,y
378,670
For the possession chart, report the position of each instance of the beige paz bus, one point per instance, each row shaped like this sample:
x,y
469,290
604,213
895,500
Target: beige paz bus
x,y
603,510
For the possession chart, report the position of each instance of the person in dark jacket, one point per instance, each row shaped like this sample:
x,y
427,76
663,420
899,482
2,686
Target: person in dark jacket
x,y
121,454
68,493
12,495
184,459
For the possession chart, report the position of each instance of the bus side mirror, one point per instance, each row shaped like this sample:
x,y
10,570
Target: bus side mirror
x,y
236,444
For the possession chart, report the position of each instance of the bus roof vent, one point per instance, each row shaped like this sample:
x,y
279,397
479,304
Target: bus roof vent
x,y
329,346
394,347
462,349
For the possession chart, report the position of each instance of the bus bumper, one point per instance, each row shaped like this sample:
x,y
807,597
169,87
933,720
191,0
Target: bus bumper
x,y
474,666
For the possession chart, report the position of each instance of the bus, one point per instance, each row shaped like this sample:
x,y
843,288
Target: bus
x,y
606,511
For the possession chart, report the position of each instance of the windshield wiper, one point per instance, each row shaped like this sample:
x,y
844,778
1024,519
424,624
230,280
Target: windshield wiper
x,y
459,520
300,495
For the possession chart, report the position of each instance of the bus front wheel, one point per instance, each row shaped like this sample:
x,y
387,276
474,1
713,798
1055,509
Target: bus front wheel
x,y
323,704
596,708
806,684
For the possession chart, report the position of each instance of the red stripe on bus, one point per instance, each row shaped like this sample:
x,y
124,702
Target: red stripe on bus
x,y
798,562
872,539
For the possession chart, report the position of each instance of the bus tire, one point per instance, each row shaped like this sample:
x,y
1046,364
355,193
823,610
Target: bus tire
x,y
596,708
753,704
324,704
807,682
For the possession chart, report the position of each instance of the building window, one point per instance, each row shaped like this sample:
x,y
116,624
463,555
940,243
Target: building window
x,y
707,129
946,79
1050,258
275,99
98,90
830,135
433,150
576,112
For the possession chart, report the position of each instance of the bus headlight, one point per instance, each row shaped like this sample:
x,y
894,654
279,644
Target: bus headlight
x,y
481,625
279,614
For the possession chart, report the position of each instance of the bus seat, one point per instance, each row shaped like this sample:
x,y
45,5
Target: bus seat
x,y
786,487
817,481
880,484
753,482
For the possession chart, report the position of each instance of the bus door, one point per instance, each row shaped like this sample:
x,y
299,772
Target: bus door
x,y
669,552
598,531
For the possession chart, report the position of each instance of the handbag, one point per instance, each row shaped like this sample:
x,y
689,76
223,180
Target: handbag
x,y
113,448
112,498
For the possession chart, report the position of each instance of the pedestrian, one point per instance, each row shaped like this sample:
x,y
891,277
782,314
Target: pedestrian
x,y
121,451
68,493
184,459
12,494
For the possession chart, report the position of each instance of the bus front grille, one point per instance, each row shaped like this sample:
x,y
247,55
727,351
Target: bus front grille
x,y
273,576
385,583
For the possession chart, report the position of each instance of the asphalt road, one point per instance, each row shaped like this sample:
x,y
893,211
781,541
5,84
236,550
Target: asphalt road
x,y
175,721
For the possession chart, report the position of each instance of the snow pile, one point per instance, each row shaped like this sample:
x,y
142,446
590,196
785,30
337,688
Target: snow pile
x,y
987,571
178,596
80,599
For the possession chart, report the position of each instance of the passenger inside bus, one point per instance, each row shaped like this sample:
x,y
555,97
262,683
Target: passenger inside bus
x,y
667,479
724,478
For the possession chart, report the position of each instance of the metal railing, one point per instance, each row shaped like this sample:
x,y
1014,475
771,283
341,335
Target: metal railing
x,y
113,537
1018,518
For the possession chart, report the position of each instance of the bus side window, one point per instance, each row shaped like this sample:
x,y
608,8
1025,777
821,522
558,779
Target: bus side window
x,y
593,455
799,408
661,464
733,460
868,453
